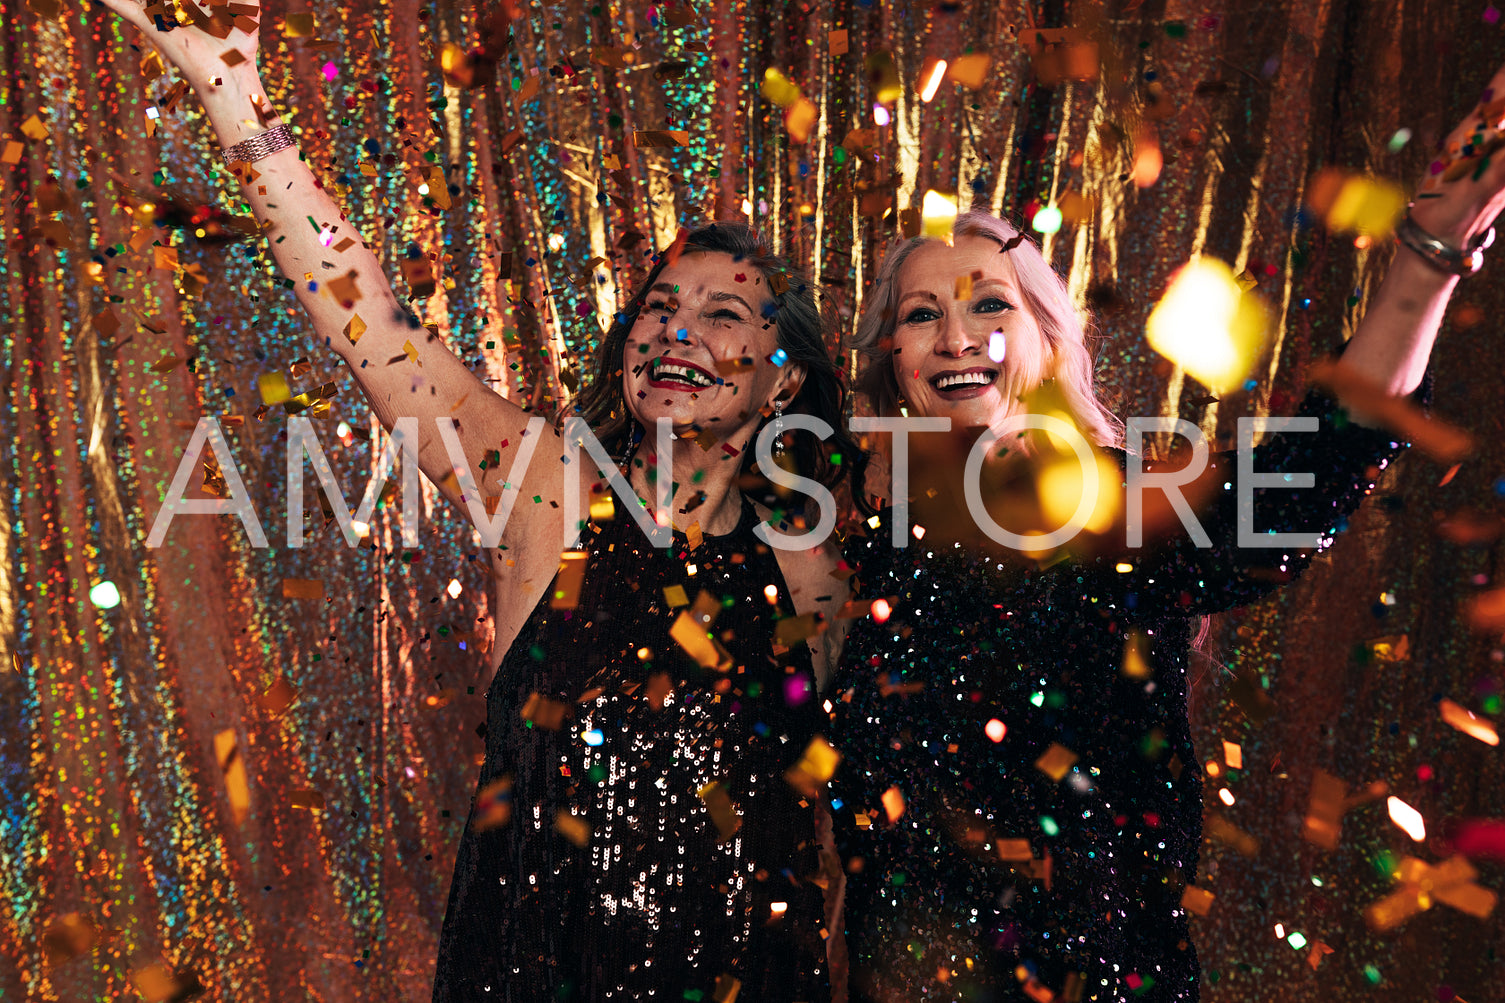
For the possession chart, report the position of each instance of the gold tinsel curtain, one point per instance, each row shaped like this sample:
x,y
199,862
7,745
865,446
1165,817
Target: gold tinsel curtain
x,y
534,181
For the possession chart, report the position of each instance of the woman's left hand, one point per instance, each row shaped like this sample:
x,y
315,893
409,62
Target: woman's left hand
x,y
1462,193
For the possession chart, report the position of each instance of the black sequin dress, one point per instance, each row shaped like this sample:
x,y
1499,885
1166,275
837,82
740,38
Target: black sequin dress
x,y
619,875
1007,880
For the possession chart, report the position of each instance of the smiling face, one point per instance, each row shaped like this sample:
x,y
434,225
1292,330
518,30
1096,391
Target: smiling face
x,y
946,359
699,352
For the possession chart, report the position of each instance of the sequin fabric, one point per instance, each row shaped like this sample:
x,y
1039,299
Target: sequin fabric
x,y
1049,799
617,875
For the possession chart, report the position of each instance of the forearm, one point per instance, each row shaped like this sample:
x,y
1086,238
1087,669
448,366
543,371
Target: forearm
x,y
1395,337
284,196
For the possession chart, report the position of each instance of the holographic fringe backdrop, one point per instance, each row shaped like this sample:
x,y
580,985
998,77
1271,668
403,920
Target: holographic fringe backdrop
x,y
119,848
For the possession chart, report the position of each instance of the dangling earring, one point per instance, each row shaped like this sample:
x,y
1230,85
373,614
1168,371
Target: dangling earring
x,y
778,428
631,445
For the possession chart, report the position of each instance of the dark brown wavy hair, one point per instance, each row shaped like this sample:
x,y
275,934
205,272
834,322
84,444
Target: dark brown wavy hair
x,y
797,321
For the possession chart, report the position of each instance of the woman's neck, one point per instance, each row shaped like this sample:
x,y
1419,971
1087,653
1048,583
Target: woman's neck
x,y
705,487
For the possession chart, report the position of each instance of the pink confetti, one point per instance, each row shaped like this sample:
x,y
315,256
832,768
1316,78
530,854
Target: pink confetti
x,y
331,71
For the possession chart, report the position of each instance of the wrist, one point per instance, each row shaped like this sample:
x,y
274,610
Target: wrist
x,y
232,104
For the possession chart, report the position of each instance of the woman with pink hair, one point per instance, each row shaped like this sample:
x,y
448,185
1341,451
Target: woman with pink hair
x,y
1019,809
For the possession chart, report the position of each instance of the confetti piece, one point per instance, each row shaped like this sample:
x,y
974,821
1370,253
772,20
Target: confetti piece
x,y
675,596
718,804
1135,663
354,328
1469,723
1439,440
1408,818
1486,611
565,593
815,768
658,691
157,984
1450,882
278,697
1208,325
691,632
792,629
1351,202
12,152
937,213
305,800
1197,900
1390,648
893,804
67,937
273,387
1324,814
837,41
227,754
656,138
1148,160
493,805
603,506
1056,761
1226,832
726,989
299,25
970,70
302,588
165,259
1233,755
543,712
727,367
34,129
572,827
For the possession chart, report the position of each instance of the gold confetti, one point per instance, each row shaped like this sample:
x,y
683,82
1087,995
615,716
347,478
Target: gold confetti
x,y
1197,900
305,800
572,827
1469,723
67,937
543,712
1135,664
278,697
565,593
1056,761
675,596
302,588
273,387
1233,755
815,768
227,754
893,804
726,989
718,804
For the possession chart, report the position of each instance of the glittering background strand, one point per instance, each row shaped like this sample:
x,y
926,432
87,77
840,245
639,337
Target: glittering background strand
x,y
113,806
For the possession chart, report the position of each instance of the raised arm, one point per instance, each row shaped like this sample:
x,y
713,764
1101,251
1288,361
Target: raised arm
x,y
1456,205
430,381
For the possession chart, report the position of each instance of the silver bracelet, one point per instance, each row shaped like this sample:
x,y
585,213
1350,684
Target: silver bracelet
x,y
1441,255
263,144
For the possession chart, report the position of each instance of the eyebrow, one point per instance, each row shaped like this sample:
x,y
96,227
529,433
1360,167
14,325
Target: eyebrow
x,y
716,297
931,297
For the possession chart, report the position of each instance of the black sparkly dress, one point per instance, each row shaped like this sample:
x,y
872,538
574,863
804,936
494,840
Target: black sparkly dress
x,y
1051,798
622,873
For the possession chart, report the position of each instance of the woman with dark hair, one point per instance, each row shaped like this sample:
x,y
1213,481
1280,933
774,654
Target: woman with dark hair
x,y
1020,807
634,835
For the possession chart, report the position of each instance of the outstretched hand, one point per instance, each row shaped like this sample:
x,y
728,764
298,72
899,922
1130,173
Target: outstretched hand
x,y
1463,189
198,40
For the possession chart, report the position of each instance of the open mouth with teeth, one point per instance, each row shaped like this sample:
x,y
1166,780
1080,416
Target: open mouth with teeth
x,y
962,384
676,374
